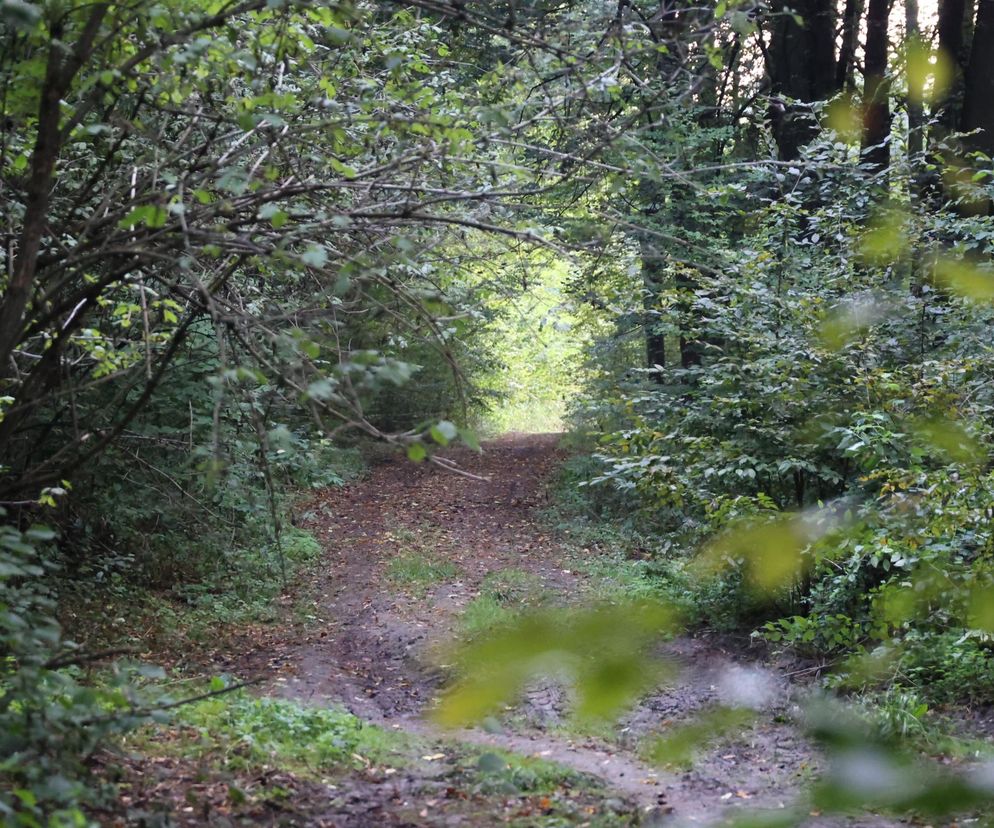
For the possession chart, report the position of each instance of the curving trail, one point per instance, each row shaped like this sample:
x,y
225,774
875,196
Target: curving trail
x,y
374,648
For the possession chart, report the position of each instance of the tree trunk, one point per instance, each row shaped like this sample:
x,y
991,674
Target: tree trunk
x,y
978,83
952,14
60,70
801,68
946,111
876,107
652,285
847,47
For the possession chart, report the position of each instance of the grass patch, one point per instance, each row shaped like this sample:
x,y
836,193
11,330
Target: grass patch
x,y
484,613
898,714
944,742
416,562
419,570
612,577
625,563
513,586
241,736
504,594
240,732
574,727
538,792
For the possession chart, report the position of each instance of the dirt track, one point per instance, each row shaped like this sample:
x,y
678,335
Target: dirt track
x,y
374,647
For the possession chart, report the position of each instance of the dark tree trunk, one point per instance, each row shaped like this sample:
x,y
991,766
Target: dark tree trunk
x,y
876,107
655,350
847,48
60,70
670,25
954,23
951,25
801,68
978,83
691,352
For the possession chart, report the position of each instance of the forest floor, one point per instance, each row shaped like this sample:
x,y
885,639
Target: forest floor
x,y
416,557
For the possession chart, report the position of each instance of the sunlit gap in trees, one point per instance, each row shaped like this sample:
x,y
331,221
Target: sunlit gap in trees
x,y
540,349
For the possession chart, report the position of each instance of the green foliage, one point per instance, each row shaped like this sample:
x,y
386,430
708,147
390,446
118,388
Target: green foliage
x,y
897,713
213,508
817,442
51,719
946,667
237,733
677,748
810,635
484,614
504,772
248,591
624,562
504,595
538,346
196,521
242,732
243,232
869,768
581,508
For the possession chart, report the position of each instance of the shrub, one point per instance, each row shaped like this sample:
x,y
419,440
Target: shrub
x,y
51,720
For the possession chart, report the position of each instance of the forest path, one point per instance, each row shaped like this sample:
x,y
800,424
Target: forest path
x,y
411,553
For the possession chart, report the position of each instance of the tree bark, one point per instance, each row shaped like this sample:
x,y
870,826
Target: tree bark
x,y
952,27
59,73
847,48
876,107
802,69
952,14
978,83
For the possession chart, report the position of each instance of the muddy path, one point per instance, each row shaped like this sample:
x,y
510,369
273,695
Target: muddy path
x,y
369,649
373,644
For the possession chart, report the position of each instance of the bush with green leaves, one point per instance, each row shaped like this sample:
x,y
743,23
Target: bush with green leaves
x,y
51,719
945,667
828,348
814,634
202,514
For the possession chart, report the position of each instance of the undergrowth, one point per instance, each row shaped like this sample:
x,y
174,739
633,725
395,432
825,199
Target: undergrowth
x,y
190,614
168,573
240,732
623,562
900,685
498,771
236,733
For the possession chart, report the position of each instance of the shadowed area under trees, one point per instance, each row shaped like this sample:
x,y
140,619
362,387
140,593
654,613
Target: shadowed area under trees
x,y
543,412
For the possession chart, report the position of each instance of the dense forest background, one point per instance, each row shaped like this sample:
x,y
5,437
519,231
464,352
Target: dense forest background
x,y
740,253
